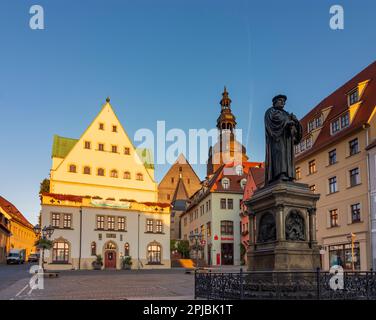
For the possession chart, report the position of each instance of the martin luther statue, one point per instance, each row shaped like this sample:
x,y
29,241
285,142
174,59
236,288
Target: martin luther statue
x,y
282,131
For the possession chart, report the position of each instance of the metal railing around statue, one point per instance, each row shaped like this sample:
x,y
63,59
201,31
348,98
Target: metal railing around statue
x,y
285,285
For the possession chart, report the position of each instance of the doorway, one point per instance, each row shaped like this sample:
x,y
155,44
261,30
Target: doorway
x,y
110,259
227,253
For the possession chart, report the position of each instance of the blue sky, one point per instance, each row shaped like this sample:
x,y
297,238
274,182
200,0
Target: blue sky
x,y
163,60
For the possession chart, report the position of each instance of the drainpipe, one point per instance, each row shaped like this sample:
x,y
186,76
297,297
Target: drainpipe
x,y
79,256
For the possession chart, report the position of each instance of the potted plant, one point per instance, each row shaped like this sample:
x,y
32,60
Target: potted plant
x,y
126,262
98,262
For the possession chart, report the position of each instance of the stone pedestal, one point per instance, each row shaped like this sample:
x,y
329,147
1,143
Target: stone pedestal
x,y
283,228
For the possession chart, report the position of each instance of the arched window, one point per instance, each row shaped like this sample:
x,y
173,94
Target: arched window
x,y
239,170
110,246
100,172
126,249
60,252
73,168
93,249
139,176
154,253
243,182
127,175
87,170
225,183
114,173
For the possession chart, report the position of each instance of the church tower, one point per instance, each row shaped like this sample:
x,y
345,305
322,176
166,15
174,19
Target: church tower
x,y
227,149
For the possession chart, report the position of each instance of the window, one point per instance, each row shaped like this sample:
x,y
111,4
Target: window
x,y
243,182
227,228
355,212
230,204
114,173
93,249
100,222
354,146
332,157
60,252
154,253
100,172
209,202
149,225
239,170
208,229
298,173
127,175
333,215
121,223
67,222
56,220
335,126
100,146
333,185
340,123
345,121
225,183
354,177
159,226
114,149
73,168
126,249
114,128
87,145
312,166
223,203
87,170
312,188
101,126
127,151
342,255
99,236
353,97
139,177
172,180
111,223
188,181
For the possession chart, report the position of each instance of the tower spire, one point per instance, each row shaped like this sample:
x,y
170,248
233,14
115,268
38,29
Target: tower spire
x,y
226,101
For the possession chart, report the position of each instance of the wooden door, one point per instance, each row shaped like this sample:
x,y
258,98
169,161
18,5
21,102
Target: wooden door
x,y
110,259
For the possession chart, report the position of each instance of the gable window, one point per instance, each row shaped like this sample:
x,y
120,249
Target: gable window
x,y
114,149
87,145
114,173
127,175
332,157
354,177
139,177
100,222
100,147
73,168
60,252
353,97
172,180
100,172
93,249
223,203
312,167
230,204
355,212
87,170
114,128
225,183
333,215
333,185
354,146
55,220
67,222
121,223
127,151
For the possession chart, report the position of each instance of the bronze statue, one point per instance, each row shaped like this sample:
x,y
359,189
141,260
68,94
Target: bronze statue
x,y
282,131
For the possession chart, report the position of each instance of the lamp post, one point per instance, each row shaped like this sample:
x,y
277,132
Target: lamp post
x,y
351,238
45,233
196,237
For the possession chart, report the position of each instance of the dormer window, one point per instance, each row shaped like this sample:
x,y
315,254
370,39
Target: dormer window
x,y
243,182
225,183
340,123
315,123
353,97
239,170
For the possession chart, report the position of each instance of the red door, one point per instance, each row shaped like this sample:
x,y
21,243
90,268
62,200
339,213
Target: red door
x,y
110,259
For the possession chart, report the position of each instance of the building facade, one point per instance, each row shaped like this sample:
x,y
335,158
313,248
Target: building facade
x,y
332,160
103,201
22,235
4,235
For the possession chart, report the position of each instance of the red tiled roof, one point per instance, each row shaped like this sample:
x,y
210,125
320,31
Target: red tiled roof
x,y
10,209
338,101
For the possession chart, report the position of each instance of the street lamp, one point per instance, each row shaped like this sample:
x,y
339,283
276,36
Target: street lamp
x,y
196,237
351,238
45,233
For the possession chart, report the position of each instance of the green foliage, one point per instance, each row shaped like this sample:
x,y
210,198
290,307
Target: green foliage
x,y
98,261
44,244
44,186
173,244
126,262
183,248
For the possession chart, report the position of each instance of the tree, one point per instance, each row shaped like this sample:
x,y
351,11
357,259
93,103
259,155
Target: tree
x,y
44,244
44,186
183,248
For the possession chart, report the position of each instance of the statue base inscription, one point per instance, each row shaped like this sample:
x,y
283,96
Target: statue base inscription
x,y
282,222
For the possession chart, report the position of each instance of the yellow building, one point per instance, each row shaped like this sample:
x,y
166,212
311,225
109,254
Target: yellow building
x,y
22,231
103,163
332,160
